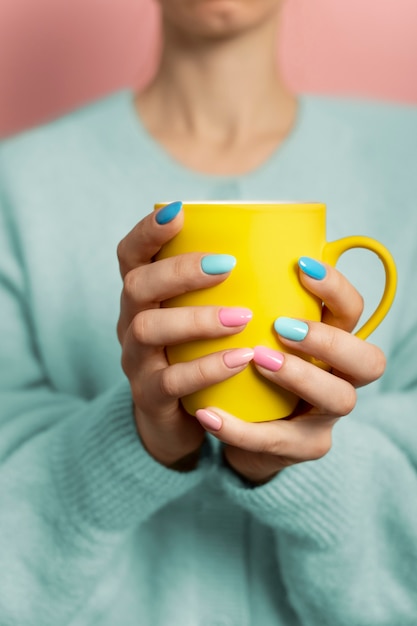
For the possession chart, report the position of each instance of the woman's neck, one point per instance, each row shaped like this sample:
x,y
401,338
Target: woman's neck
x,y
220,96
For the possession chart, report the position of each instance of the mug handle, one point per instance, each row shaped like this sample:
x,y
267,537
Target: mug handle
x,y
334,249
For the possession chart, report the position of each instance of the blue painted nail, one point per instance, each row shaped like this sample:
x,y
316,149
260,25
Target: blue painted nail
x,y
217,263
312,268
290,328
168,212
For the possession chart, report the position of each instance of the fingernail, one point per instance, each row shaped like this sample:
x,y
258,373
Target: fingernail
x,y
290,328
208,419
312,268
168,212
268,358
217,263
238,357
235,316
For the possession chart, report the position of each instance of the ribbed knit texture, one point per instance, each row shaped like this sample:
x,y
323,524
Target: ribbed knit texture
x,y
95,531
108,479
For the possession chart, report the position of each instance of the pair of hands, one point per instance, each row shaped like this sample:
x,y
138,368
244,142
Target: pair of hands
x,y
256,451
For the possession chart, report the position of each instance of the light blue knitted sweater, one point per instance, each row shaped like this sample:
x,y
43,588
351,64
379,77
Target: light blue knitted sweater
x,y
95,532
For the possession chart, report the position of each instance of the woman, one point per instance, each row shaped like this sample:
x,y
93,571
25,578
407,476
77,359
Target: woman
x,y
117,507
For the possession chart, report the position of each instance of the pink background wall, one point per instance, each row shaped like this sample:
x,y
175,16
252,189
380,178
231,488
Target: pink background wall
x,y
57,54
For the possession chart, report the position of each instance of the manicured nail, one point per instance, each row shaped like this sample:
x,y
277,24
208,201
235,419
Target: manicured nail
x,y
208,419
168,212
290,328
312,268
238,357
217,263
268,358
234,316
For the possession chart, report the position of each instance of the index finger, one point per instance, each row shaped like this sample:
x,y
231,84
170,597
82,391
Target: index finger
x,y
148,236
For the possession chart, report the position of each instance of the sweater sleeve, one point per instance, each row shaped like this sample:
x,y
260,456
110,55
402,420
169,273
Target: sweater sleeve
x,y
345,530
345,525
74,477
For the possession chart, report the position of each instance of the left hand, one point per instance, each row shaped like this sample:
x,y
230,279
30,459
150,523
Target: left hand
x,y
258,451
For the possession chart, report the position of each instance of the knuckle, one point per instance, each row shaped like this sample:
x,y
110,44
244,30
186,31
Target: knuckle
x,y
380,363
329,341
199,376
130,284
353,311
120,330
184,272
139,395
347,400
198,322
142,328
360,304
121,251
178,267
322,445
169,383
273,447
184,378
354,304
127,364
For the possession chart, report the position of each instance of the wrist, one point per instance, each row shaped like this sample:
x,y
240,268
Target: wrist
x,y
249,467
187,463
178,449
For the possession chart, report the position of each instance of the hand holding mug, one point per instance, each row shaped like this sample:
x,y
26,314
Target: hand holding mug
x,y
257,451
267,240
171,435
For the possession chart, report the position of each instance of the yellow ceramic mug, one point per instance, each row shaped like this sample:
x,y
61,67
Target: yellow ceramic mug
x,y
267,239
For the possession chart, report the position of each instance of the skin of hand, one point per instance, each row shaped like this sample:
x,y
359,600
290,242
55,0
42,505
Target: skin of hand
x,y
169,434
258,451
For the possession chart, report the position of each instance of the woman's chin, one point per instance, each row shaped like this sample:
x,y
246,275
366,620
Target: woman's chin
x,y
217,19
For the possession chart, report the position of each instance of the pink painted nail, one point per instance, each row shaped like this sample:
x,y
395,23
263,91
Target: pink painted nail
x,y
235,316
238,357
208,419
269,359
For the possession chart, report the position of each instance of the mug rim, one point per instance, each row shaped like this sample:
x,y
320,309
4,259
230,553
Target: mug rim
x,y
248,203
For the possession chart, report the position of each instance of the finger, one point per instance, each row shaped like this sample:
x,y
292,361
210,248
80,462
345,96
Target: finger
x,y
329,394
164,327
154,283
343,304
277,444
182,379
166,430
147,286
148,236
358,361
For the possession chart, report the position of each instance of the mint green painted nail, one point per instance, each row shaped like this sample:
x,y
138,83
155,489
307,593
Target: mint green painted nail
x,y
217,263
290,328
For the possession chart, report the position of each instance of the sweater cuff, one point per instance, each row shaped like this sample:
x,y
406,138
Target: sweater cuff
x,y
105,477
316,500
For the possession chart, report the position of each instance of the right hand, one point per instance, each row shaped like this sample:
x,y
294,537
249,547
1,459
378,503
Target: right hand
x,y
168,433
